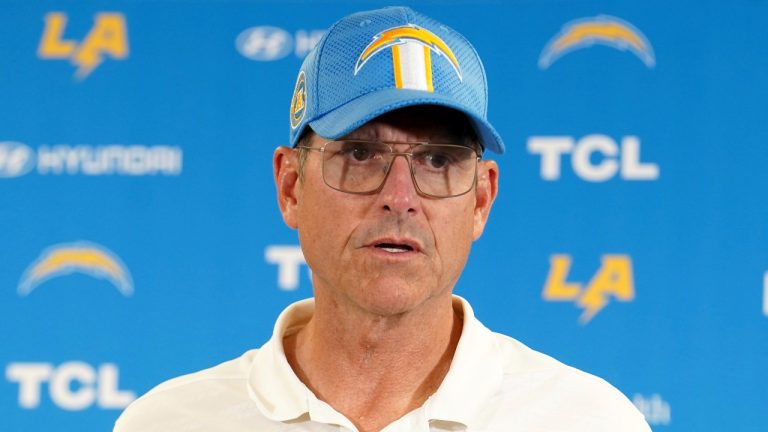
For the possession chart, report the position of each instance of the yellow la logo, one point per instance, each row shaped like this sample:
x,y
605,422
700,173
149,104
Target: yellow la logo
x,y
613,279
108,36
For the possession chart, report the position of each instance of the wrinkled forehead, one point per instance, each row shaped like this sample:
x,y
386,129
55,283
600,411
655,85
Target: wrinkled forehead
x,y
424,123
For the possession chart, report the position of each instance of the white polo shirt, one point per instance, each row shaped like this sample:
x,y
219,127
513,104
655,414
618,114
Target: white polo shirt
x,y
494,384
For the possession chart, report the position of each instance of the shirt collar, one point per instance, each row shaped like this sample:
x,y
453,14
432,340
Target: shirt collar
x,y
272,384
475,374
475,370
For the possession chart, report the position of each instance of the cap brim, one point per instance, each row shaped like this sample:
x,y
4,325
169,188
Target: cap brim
x,y
357,112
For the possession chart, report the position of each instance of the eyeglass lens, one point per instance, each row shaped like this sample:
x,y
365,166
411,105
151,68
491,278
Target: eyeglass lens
x,y
440,170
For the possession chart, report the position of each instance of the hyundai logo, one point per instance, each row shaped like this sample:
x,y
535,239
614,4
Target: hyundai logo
x,y
264,43
16,159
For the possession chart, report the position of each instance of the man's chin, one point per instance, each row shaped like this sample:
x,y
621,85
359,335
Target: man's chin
x,y
393,296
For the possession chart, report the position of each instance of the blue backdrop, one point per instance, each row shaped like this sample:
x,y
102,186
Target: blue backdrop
x,y
140,237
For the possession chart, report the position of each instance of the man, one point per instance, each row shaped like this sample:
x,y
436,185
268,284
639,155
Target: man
x,y
385,185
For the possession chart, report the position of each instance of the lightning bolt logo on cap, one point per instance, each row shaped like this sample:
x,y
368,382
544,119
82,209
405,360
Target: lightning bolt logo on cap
x,y
602,29
412,47
81,257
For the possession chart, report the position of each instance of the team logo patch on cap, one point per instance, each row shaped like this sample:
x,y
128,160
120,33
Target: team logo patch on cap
x,y
299,101
412,48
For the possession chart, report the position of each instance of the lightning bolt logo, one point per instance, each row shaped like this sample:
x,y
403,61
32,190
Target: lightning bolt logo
x,y
403,34
79,257
108,36
604,30
614,280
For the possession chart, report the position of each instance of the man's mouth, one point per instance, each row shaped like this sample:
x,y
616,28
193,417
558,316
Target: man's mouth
x,y
394,247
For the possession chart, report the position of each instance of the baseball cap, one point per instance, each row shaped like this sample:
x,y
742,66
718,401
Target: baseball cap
x,y
374,62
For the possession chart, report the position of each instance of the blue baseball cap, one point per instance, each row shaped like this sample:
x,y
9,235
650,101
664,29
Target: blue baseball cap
x,y
371,63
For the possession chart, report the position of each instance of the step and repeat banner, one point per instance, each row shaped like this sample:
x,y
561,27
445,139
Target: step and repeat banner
x,y
140,237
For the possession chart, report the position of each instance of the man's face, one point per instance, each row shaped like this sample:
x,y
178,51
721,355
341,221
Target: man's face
x,y
389,252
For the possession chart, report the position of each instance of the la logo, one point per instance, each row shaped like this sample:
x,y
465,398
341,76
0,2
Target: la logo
x,y
107,36
613,279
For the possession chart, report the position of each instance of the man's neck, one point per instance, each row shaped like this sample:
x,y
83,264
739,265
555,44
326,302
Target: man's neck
x,y
375,369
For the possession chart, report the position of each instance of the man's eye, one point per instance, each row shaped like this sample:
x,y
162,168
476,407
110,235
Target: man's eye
x,y
358,152
437,160
361,153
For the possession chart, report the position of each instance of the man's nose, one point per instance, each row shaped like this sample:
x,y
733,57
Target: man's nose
x,y
399,194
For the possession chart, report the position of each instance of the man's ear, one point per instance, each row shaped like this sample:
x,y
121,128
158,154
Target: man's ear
x,y
285,164
485,194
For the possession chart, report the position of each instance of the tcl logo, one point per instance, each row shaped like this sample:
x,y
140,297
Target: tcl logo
x,y
289,260
594,158
72,385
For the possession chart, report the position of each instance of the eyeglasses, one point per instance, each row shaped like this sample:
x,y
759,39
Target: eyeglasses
x,y
361,167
